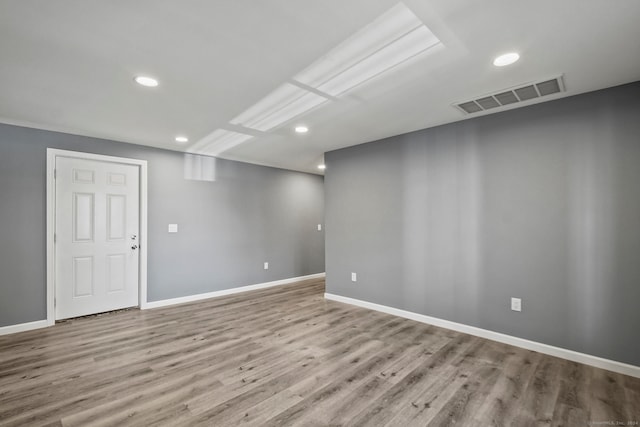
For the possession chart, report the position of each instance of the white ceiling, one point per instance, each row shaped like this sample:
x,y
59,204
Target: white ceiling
x,y
68,65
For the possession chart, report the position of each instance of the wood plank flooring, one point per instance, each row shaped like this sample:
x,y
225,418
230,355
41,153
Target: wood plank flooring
x,y
285,356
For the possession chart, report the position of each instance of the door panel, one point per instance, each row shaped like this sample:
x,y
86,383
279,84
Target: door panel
x,y
117,179
83,176
82,276
116,217
97,221
116,272
83,208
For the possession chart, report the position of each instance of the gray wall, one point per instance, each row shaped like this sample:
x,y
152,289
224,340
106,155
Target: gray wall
x,y
227,227
541,203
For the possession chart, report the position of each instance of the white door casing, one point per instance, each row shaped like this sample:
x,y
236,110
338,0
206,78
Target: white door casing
x,y
97,260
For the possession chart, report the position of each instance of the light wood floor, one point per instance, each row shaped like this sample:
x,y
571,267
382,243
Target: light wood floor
x,y
285,356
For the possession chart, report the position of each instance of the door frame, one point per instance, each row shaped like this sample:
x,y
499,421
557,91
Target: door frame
x,y
52,154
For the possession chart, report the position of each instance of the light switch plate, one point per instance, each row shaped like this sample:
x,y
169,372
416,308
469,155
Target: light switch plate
x,y
516,304
173,228
319,227
266,265
354,277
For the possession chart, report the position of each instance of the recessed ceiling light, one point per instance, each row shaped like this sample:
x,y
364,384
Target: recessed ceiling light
x,y
302,129
146,81
506,59
182,139
322,167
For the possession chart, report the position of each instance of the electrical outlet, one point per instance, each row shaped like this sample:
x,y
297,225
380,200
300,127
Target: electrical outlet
x,y
516,304
319,227
354,278
266,265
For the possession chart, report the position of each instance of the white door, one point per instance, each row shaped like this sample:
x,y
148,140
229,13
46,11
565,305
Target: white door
x,y
96,236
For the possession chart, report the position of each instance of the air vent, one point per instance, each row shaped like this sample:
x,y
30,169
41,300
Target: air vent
x,y
513,96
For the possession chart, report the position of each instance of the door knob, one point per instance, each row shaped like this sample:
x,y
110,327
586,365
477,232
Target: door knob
x,y
134,247
133,237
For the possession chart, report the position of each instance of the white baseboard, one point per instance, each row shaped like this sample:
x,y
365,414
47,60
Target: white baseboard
x,y
198,297
21,327
563,353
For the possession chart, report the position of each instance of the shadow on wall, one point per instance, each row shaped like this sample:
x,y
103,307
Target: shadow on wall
x,y
199,168
479,227
442,216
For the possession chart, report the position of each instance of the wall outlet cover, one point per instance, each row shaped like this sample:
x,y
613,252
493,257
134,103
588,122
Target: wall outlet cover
x,y
354,277
173,228
319,227
266,265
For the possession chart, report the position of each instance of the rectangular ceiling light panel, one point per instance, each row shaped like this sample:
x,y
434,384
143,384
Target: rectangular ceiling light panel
x,y
395,37
392,25
218,141
281,105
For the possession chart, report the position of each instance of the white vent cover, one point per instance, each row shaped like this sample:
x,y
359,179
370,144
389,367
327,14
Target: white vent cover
x,y
512,96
